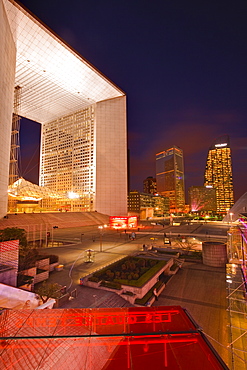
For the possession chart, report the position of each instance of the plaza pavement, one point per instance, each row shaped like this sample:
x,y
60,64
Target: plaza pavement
x,y
198,288
201,290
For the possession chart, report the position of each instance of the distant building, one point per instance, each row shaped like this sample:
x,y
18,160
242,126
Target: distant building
x,y
202,198
149,185
218,173
170,177
138,201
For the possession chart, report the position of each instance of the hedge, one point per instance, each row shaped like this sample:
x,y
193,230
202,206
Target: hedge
x,y
144,278
142,301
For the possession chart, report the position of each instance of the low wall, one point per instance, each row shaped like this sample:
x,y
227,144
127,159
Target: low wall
x,y
43,264
52,266
60,301
41,277
8,276
140,292
30,272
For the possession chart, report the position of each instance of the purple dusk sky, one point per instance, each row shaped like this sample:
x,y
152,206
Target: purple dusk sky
x,y
182,66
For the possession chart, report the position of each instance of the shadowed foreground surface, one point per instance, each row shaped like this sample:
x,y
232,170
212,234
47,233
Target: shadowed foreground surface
x,y
202,291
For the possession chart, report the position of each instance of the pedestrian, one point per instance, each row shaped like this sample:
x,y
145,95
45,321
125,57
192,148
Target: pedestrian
x,y
155,294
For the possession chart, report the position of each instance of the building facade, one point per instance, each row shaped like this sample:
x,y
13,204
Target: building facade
x,y
157,203
202,198
218,173
170,177
82,113
149,185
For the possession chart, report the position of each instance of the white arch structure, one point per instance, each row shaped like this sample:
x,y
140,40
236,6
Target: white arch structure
x,y
82,113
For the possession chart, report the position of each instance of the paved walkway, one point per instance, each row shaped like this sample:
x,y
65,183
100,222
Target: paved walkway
x,y
198,288
201,290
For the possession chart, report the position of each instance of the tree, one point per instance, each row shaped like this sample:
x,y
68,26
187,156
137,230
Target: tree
x,y
27,254
14,233
49,290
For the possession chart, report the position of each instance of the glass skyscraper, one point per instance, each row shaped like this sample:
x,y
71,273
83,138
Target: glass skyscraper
x,y
170,177
218,173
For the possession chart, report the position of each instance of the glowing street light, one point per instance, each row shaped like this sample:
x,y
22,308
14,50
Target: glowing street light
x,y
101,234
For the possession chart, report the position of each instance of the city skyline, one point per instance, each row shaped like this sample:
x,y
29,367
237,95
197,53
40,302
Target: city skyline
x,y
183,70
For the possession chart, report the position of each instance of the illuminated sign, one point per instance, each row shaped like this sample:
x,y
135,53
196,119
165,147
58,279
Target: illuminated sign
x,y
118,222
220,145
97,319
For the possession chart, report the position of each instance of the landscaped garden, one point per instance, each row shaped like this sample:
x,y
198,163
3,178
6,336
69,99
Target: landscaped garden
x,y
131,271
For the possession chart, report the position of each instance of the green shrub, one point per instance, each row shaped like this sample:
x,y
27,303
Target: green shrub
x,y
129,293
142,301
174,266
132,266
141,262
94,279
152,263
53,258
143,278
39,271
108,273
118,271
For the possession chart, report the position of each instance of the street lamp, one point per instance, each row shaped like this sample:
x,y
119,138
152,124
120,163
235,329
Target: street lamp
x,y
100,233
231,214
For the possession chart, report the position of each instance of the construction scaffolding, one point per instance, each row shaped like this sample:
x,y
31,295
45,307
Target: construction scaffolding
x,y
237,297
15,145
15,141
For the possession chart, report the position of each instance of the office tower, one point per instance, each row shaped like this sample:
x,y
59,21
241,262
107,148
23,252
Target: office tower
x,y
138,202
202,198
82,113
149,185
218,173
170,177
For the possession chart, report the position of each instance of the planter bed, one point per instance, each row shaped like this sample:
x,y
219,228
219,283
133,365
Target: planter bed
x,y
149,295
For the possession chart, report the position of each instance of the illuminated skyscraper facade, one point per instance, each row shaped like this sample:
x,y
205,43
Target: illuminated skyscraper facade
x,y
218,173
170,177
82,113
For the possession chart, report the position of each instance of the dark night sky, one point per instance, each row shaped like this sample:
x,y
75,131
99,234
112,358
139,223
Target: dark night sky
x,y
182,65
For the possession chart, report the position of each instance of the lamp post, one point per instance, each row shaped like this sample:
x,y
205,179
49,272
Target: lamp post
x,y
101,235
231,214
